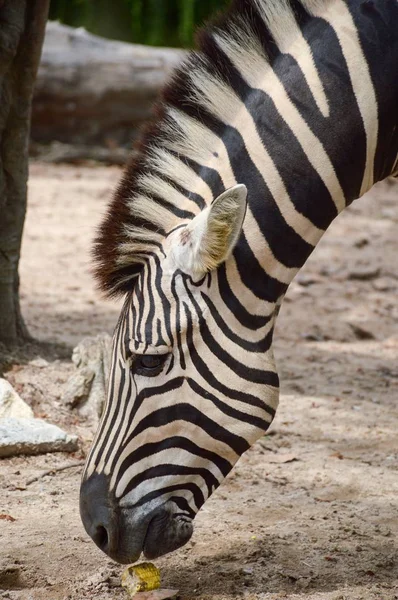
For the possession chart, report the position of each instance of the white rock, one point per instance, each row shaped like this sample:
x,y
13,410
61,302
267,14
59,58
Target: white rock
x,y
11,404
33,436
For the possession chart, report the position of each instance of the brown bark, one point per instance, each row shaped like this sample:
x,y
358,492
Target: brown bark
x,y
22,25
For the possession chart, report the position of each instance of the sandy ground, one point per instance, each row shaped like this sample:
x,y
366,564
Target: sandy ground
x,y
311,511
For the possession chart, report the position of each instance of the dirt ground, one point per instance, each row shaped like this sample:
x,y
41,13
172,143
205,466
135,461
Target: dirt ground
x,y
311,511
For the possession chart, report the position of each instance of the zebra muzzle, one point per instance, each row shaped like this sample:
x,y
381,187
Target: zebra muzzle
x,y
124,532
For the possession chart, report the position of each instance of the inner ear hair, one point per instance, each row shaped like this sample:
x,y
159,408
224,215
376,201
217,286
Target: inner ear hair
x,y
211,236
224,225
216,244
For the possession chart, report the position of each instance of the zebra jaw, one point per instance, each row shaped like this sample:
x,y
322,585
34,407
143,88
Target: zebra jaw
x,y
207,241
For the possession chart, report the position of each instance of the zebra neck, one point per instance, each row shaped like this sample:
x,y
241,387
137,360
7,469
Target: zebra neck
x,y
297,100
308,131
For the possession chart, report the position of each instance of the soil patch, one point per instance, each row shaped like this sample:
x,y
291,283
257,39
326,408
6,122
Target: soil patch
x,y
310,512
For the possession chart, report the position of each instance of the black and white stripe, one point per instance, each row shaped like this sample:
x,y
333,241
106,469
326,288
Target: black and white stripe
x,y
296,100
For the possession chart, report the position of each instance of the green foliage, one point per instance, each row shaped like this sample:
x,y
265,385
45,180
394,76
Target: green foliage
x,y
154,22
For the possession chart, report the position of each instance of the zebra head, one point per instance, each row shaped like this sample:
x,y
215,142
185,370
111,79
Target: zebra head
x,y
295,99
188,393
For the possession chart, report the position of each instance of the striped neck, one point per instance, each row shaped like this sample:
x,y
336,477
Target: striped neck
x,y
294,100
290,106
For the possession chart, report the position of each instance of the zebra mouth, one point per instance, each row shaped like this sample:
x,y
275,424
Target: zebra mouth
x,y
166,533
124,532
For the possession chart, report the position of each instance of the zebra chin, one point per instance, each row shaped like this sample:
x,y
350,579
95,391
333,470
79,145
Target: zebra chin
x,y
125,532
166,533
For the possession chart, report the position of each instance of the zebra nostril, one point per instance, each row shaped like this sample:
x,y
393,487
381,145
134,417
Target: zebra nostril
x,y
101,538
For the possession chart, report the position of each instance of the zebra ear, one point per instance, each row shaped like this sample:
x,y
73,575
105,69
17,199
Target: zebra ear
x,y
211,236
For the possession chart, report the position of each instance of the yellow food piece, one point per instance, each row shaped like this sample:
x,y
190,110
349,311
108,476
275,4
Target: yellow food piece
x,y
144,577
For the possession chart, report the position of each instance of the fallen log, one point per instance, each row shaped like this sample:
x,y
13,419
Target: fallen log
x,y
90,90
57,152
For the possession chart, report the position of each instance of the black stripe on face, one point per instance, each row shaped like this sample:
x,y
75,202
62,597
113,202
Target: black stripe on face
x,y
183,505
262,345
139,297
238,415
120,407
160,339
133,405
115,404
151,448
191,487
127,325
166,307
253,276
151,312
178,320
97,450
268,377
166,470
171,365
190,414
134,318
248,320
244,371
149,392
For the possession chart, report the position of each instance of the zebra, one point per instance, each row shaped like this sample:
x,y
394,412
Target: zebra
x,y
285,114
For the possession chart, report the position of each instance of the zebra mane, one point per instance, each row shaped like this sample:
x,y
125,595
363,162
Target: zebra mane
x,y
180,144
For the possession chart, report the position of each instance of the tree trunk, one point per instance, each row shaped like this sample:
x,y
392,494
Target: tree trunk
x,y
22,24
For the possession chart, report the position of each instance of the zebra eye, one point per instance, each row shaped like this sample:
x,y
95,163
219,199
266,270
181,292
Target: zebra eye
x,y
148,364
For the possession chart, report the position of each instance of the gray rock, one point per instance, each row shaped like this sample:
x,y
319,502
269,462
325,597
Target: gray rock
x,y
384,284
33,436
78,387
92,350
361,242
307,279
11,404
364,273
361,333
86,389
